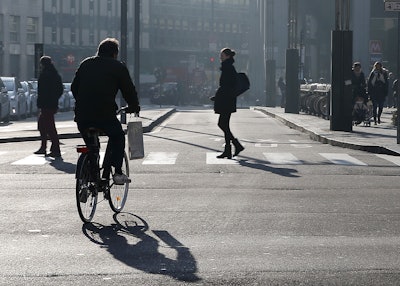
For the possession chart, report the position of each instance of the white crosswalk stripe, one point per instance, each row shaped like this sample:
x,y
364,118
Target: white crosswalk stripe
x,y
342,159
160,158
211,159
393,159
170,158
34,160
282,159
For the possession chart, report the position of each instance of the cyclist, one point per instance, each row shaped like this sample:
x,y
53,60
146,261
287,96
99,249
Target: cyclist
x,y
94,87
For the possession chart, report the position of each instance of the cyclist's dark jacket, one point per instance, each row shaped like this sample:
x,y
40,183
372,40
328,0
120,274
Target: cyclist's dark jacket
x,y
95,87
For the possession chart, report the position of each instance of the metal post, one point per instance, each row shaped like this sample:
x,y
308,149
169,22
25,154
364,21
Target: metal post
x,y
342,47
270,64
123,46
137,46
292,62
398,77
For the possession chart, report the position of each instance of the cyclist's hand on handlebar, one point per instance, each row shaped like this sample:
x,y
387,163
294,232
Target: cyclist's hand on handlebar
x,y
133,109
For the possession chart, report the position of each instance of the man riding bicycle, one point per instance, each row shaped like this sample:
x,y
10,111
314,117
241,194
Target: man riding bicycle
x,y
94,87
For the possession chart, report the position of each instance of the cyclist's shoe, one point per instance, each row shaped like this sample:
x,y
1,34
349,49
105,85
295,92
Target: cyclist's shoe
x,y
121,179
83,196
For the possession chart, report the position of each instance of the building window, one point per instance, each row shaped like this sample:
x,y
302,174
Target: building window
x,y
31,29
53,35
14,28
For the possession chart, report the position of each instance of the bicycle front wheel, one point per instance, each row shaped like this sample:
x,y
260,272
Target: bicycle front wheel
x,y
86,193
119,193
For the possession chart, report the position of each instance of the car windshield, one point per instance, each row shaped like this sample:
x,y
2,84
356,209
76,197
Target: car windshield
x,y
9,84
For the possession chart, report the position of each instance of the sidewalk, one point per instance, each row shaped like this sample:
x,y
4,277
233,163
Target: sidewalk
x,y
26,130
381,138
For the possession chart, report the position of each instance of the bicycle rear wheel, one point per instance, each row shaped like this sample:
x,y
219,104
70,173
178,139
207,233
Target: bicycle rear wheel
x,y
86,193
119,193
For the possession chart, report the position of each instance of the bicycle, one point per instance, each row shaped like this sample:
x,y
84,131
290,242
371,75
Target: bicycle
x,y
92,179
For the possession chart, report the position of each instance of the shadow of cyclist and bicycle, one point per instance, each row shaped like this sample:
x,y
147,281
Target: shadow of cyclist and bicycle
x,y
129,241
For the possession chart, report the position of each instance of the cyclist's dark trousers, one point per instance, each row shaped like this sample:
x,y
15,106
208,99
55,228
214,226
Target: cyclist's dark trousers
x,y
223,123
116,141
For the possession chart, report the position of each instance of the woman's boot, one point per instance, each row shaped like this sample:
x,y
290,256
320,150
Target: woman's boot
x,y
227,152
238,147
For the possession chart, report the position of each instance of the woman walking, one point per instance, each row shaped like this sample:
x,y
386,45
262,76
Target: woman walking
x,y
225,102
378,86
50,88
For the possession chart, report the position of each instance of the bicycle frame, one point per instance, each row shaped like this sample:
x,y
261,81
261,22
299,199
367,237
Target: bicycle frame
x,y
91,178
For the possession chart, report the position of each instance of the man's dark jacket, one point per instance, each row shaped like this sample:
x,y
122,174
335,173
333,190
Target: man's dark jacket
x,y
50,88
95,87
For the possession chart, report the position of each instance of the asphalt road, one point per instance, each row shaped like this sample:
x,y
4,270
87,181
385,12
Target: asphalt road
x,y
288,211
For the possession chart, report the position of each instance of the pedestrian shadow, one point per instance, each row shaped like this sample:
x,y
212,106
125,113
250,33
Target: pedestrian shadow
x,y
262,165
61,165
129,241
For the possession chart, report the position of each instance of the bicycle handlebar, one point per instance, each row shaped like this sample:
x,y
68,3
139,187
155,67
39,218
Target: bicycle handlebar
x,y
124,108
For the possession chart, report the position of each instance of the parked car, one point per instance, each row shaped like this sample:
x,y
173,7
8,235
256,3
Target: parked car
x,y
18,99
4,103
64,102
31,95
67,90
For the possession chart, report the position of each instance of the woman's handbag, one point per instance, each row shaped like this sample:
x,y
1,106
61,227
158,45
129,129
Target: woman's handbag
x,y
135,140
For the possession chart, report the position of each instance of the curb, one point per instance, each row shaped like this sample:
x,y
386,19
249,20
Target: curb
x,y
146,129
334,142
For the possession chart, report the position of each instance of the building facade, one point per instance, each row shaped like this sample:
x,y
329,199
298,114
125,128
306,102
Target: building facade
x,y
183,36
20,29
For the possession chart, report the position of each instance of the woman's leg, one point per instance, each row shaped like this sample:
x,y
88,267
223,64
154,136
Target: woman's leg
x,y
380,109
374,108
223,123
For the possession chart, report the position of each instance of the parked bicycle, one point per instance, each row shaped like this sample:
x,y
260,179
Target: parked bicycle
x,y
94,175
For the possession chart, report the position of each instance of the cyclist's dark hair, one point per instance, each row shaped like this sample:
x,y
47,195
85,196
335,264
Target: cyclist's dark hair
x,y
228,52
108,47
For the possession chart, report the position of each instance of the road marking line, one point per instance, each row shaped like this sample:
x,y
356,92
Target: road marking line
x,y
212,159
282,158
35,160
262,145
300,146
394,159
32,160
342,159
161,158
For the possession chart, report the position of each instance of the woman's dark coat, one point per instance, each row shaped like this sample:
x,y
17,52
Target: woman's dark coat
x,y
359,85
50,88
225,100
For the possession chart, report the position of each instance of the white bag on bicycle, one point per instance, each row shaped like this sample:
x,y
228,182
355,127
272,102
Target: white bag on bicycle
x,y
135,140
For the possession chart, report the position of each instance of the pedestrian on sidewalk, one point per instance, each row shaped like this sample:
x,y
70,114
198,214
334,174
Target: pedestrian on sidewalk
x,y
225,102
94,87
282,88
395,89
358,83
50,89
378,87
